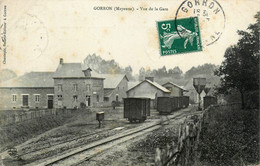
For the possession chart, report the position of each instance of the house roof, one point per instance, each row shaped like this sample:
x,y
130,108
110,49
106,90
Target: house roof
x,y
158,86
72,70
132,84
181,87
112,80
108,92
31,80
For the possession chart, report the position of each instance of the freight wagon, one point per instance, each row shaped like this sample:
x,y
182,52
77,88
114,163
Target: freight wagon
x,y
185,101
136,109
166,105
174,103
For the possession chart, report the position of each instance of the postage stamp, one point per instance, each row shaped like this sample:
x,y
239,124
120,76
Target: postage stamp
x,y
211,18
179,36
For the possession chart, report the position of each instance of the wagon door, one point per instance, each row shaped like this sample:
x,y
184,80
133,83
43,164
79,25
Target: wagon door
x,y
148,107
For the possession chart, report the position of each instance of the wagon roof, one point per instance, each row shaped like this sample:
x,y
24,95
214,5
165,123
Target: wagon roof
x,y
158,86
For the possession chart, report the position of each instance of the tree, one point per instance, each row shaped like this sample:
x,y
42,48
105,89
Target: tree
x,y
129,73
175,73
141,74
205,70
161,72
240,68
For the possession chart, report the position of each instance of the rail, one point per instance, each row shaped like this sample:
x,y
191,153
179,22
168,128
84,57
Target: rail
x,y
117,137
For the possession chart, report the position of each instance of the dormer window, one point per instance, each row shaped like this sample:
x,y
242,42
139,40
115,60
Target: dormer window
x,y
87,72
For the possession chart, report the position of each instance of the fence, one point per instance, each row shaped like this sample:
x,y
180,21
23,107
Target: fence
x,y
20,116
184,151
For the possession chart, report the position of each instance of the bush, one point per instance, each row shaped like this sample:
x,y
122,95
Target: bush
x,y
230,136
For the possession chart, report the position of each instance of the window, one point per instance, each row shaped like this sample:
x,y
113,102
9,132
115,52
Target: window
x,y
88,87
75,97
50,97
14,98
59,87
106,99
116,97
169,88
75,87
37,98
117,88
97,98
25,100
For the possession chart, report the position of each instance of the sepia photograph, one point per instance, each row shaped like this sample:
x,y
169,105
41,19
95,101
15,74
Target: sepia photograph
x,y
122,83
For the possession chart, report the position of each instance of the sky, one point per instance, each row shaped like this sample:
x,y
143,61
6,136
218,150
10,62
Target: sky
x,y
39,33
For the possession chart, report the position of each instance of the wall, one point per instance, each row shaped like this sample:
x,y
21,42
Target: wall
x,y
6,97
96,88
175,91
20,116
120,90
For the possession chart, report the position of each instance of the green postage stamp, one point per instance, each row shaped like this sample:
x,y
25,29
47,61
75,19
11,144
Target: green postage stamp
x,y
179,36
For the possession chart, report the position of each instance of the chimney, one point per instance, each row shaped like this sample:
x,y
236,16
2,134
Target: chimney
x,y
61,61
150,78
87,72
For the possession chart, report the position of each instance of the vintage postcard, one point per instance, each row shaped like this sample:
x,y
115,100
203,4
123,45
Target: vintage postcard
x,y
129,82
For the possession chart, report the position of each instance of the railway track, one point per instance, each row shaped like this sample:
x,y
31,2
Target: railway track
x,y
63,142
84,153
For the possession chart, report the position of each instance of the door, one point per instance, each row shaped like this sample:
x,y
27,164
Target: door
x,y
87,101
50,101
25,100
117,97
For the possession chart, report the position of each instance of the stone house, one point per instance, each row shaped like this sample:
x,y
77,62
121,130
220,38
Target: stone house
x,y
175,89
75,86
148,89
32,90
115,87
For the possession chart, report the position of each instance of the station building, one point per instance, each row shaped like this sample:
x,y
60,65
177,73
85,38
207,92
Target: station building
x,y
75,86
71,85
32,90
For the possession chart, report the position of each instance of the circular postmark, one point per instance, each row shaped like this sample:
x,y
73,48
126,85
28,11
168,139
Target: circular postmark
x,y
211,18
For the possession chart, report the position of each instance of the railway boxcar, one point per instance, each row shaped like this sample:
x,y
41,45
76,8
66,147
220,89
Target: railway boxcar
x,y
164,105
174,103
136,109
180,102
185,101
